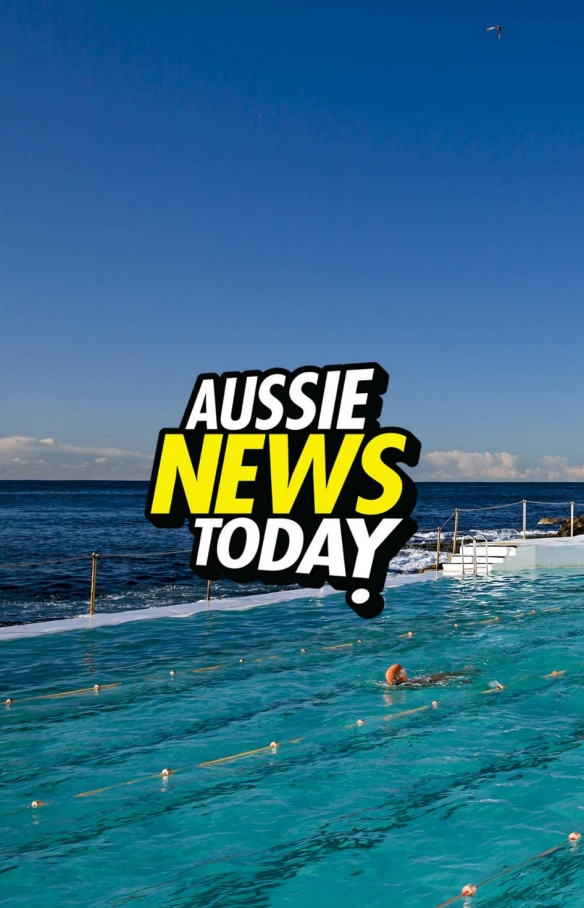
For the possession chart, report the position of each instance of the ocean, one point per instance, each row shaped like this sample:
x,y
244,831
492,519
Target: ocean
x,y
51,521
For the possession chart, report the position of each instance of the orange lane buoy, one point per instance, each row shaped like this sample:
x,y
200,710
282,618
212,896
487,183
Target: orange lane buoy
x,y
469,890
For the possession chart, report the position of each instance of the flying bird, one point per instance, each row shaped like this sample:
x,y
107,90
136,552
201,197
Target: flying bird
x,y
497,28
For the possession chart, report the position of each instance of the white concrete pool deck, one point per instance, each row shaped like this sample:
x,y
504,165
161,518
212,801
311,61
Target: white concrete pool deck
x,y
551,551
186,610
548,552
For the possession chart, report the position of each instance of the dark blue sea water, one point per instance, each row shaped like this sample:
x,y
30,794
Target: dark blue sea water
x,y
48,521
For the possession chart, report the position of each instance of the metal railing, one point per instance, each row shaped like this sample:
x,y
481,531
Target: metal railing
x,y
486,551
498,507
94,558
474,552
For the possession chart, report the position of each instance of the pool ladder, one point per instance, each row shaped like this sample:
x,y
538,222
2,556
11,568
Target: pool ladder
x,y
476,558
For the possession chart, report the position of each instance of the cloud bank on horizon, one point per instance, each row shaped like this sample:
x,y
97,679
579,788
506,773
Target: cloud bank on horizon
x,y
496,467
24,457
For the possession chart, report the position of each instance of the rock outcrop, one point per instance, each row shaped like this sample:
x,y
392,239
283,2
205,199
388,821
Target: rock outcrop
x,y
578,526
547,520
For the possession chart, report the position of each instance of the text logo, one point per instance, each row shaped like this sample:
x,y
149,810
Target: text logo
x,y
287,477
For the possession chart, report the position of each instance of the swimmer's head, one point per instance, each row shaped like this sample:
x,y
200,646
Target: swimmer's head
x,y
396,674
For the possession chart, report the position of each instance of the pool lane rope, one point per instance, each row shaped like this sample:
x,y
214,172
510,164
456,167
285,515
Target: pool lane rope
x,y
96,688
274,745
9,701
468,890
471,889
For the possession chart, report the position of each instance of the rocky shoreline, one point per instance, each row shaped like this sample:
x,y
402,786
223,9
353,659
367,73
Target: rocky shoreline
x,y
565,529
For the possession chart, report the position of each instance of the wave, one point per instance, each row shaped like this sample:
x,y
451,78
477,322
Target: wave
x,y
412,559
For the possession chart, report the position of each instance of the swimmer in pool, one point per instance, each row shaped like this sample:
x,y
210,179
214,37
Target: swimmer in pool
x,y
396,675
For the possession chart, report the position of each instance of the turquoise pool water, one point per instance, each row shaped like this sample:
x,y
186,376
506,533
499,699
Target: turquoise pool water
x,y
397,812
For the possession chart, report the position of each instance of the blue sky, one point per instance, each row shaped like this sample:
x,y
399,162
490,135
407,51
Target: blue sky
x,y
191,187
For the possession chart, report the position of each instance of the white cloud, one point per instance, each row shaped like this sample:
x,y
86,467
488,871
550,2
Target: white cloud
x,y
24,457
496,467
472,465
558,468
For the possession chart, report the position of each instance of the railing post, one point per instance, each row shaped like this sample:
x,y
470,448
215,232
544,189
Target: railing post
x,y
438,549
524,518
455,531
474,556
208,590
94,557
571,518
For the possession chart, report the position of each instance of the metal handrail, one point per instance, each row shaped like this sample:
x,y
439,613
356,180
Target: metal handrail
x,y
499,507
486,551
462,538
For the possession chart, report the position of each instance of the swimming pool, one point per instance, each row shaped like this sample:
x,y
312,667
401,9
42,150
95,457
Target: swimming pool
x,y
402,810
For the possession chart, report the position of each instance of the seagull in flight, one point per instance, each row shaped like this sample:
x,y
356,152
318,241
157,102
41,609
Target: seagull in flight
x,y
497,28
